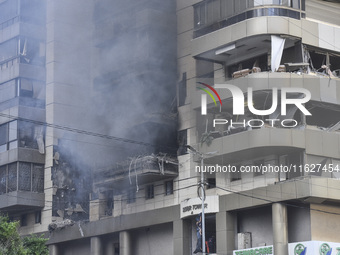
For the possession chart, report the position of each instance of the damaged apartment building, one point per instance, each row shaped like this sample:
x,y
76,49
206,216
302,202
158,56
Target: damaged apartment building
x,y
94,132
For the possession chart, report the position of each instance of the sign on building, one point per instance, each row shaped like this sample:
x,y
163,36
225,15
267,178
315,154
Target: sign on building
x,y
314,248
194,206
264,250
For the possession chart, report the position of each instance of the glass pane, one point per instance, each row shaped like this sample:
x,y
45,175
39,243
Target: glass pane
x,y
13,130
8,49
2,179
296,4
3,134
13,145
7,91
38,178
26,135
12,177
8,10
24,176
230,8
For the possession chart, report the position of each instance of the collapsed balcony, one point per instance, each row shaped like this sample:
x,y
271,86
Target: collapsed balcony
x,y
137,171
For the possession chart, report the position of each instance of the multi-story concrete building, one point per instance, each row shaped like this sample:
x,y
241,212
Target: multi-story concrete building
x,y
272,176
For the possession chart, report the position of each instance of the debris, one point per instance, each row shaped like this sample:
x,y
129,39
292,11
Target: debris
x,y
80,229
60,225
56,158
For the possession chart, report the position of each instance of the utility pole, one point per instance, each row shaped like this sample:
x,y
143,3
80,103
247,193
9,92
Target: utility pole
x,y
201,184
203,199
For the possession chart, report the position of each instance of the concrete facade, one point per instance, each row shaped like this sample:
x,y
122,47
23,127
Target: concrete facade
x,y
104,70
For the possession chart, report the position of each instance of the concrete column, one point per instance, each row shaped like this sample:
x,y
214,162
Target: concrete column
x,y
125,243
96,246
225,232
110,249
280,229
53,249
182,237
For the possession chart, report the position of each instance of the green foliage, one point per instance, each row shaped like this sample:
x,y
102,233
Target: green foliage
x,y
12,244
35,245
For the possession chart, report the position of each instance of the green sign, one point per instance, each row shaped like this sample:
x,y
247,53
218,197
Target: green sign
x,y
256,251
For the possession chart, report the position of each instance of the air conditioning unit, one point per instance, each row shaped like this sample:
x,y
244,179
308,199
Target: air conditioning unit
x,y
244,240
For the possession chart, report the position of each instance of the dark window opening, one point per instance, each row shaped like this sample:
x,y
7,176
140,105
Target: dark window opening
x,y
211,183
131,196
37,217
182,142
258,164
169,188
325,115
23,220
236,175
182,90
257,62
109,203
149,191
294,160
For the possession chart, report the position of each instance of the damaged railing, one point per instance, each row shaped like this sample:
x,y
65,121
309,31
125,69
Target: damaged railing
x,y
160,164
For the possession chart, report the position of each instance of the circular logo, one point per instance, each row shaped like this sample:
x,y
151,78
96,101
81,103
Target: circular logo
x,y
299,248
324,249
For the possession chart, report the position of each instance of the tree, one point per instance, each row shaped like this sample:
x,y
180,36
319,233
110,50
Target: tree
x,y
35,245
12,244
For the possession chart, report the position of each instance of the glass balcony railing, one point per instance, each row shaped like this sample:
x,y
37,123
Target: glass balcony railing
x,y
211,15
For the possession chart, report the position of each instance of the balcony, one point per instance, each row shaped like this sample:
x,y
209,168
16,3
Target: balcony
x,y
137,171
267,141
21,186
216,14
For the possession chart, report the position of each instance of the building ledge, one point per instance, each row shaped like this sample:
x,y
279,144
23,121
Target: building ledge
x,y
21,201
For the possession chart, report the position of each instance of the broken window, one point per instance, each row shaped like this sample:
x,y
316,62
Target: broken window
x,y
169,187
149,191
245,67
323,115
324,62
30,136
32,51
38,178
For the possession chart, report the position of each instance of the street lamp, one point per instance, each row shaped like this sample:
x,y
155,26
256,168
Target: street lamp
x,y
201,184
